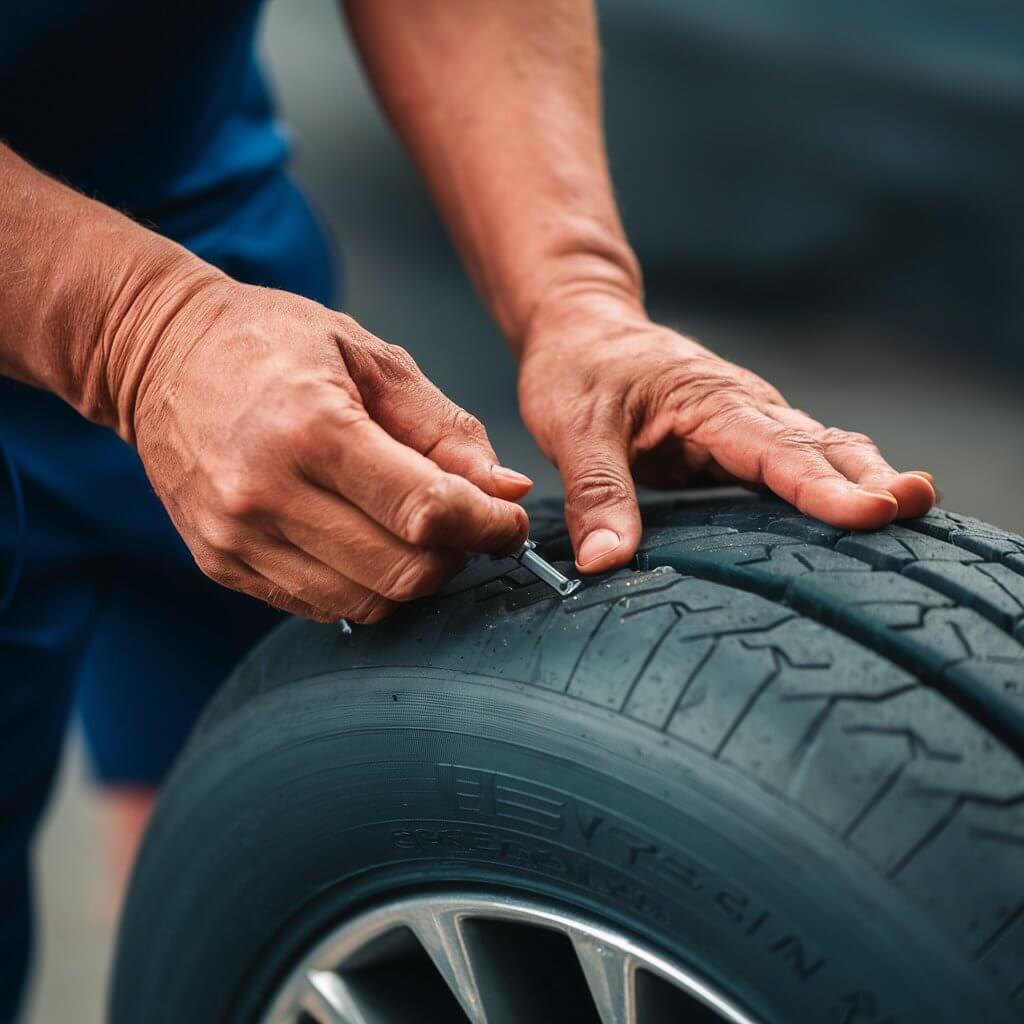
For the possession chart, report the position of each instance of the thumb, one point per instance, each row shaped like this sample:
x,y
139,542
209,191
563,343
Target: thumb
x,y
416,413
600,499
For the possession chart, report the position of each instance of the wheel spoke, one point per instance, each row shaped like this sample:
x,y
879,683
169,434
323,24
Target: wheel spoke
x,y
497,959
328,999
611,976
441,934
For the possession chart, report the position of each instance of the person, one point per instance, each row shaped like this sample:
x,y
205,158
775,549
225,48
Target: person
x,y
184,409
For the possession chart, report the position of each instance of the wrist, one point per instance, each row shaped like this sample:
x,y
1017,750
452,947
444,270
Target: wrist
x,y
91,295
146,300
580,315
594,286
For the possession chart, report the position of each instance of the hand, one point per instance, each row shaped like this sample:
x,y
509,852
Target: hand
x,y
303,460
610,397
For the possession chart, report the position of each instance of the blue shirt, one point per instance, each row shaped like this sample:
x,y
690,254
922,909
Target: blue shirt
x,y
158,109
152,107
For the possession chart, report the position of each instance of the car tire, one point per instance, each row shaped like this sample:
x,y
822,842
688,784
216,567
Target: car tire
x,y
783,758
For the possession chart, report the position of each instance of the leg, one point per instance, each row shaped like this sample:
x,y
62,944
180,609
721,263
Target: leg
x,y
141,687
42,634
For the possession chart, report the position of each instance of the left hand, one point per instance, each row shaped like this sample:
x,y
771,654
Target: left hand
x,y
610,397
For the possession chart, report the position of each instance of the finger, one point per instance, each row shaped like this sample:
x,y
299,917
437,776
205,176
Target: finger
x,y
600,499
348,541
792,463
403,490
417,413
675,463
857,457
236,575
292,575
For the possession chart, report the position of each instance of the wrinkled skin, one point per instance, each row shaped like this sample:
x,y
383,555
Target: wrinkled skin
x,y
610,397
310,464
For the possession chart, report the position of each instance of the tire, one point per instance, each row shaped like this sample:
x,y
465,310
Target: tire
x,y
785,757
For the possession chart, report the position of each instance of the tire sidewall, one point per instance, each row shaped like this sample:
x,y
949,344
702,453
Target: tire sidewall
x,y
326,795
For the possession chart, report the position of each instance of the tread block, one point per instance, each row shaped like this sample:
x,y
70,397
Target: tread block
x,y
762,562
562,644
982,907
969,533
623,584
853,768
899,616
863,678
928,550
833,590
707,712
665,535
896,547
645,678
663,681
617,654
993,589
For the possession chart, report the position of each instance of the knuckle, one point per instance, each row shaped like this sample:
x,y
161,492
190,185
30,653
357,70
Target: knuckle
x,y
394,362
467,425
240,498
319,615
295,429
368,610
792,439
721,413
412,578
599,486
428,512
808,481
278,597
283,600
215,567
222,538
833,437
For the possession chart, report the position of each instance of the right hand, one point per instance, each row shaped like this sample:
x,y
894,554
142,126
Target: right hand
x,y
303,460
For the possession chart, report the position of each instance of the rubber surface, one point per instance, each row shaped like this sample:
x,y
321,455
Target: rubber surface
x,y
784,722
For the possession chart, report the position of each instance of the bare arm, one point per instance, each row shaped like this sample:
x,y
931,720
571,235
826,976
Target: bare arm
x,y
78,303
303,460
499,103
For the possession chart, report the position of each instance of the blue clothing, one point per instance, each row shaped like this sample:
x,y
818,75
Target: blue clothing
x,y
98,589
147,106
160,110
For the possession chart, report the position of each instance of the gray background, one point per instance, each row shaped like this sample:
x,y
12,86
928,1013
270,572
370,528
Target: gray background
x,y
939,403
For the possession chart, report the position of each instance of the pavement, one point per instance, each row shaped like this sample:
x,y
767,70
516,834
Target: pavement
x,y
952,416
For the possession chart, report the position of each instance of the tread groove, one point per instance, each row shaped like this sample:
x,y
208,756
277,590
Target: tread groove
x,y
583,650
748,705
651,655
689,682
911,640
933,833
876,798
1004,928
906,758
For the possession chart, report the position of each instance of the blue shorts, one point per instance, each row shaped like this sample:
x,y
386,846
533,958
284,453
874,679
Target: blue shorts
x,y
98,593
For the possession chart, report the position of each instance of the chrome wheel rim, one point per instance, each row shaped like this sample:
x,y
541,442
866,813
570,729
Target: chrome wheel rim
x,y
489,960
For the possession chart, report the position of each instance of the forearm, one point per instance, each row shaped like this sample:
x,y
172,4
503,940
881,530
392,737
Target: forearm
x,y
499,103
84,290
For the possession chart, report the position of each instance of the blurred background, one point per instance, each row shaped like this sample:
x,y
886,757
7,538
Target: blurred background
x,y
829,193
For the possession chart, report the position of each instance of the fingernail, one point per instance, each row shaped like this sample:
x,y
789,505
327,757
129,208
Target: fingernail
x,y
923,473
511,476
876,493
596,544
